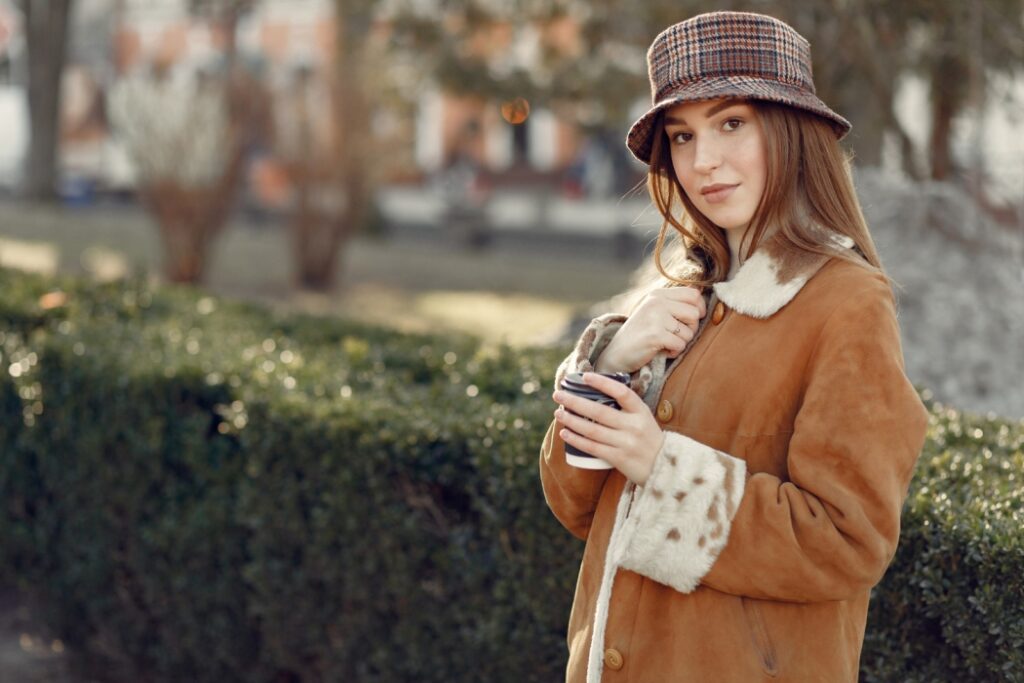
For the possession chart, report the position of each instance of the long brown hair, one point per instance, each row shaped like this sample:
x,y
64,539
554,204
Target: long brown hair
x,y
808,187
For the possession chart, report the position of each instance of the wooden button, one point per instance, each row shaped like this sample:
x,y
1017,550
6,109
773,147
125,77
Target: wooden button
x,y
613,659
665,410
719,313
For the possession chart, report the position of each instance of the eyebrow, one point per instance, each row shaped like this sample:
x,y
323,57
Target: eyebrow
x,y
711,112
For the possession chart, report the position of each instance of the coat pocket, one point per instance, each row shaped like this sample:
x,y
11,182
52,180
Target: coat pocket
x,y
759,637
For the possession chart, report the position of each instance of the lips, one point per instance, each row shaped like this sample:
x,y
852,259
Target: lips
x,y
714,194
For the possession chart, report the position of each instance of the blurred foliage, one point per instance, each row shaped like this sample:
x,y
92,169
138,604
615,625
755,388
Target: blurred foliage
x,y
207,491
952,604
201,490
861,50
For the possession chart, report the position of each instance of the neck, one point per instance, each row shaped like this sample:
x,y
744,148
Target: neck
x,y
734,237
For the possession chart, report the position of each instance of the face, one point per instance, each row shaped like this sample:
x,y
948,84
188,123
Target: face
x,y
718,154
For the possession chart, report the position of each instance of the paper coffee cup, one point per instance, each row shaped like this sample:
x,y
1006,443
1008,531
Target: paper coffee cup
x,y
573,383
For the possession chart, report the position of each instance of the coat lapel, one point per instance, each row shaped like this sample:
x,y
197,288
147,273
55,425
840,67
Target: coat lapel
x,y
772,276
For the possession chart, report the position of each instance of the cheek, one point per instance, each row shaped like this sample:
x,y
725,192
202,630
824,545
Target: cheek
x,y
686,178
751,165
755,164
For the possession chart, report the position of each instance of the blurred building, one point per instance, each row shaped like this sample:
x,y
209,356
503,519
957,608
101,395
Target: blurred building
x,y
13,110
281,42
449,124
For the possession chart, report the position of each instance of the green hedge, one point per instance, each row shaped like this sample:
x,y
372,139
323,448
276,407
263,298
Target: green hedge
x,y
951,607
206,491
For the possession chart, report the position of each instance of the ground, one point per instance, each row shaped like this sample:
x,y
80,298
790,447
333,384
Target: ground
x,y
27,654
521,295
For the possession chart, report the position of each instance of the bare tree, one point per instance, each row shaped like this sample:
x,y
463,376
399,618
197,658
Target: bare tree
x,y
46,29
226,14
328,149
188,153
188,142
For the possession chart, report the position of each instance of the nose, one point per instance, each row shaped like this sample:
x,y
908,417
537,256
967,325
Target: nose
x,y
707,156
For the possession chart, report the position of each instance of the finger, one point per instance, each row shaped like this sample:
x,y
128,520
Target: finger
x,y
684,312
691,295
687,295
592,430
683,331
675,338
593,410
661,308
674,344
622,394
590,446
700,302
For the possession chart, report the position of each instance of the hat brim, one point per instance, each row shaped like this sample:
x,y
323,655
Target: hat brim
x,y
639,139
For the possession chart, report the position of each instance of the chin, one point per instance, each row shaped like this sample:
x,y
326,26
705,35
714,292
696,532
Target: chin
x,y
727,219
729,222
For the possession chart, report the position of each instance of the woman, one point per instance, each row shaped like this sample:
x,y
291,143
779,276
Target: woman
x,y
768,436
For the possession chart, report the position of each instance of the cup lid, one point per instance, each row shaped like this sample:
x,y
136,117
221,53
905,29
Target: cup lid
x,y
575,379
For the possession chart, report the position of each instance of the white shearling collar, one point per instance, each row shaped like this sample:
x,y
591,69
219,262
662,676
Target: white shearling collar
x,y
772,276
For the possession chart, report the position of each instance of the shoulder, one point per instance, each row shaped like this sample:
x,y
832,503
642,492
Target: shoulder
x,y
844,306
842,284
850,312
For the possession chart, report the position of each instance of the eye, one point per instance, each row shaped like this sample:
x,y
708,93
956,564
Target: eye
x,y
732,124
679,138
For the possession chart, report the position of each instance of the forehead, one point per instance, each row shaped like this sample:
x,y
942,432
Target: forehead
x,y
693,111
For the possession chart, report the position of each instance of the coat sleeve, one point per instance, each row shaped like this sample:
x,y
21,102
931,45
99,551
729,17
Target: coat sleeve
x,y
572,493
593,341
831,529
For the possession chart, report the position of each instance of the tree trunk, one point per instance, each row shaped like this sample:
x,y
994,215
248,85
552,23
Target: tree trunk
x,y
869,107
875,48
187,220
229,22
943,110
949,77
190,218
317,243
322,224
46,28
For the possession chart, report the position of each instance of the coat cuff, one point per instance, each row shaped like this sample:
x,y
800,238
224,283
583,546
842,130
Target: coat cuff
x,y
680,519
594,340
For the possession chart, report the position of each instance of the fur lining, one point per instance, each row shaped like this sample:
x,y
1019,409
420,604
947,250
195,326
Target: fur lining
x,y
594,340
681,518
591,343
595,657
773,275
672,529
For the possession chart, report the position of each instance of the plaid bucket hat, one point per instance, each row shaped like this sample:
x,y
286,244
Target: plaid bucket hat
x,y
728,54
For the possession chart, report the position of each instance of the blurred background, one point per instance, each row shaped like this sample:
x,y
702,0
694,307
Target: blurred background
x,y
435,164
345,155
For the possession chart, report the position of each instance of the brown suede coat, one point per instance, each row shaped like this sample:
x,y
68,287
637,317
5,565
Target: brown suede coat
x,y
774,505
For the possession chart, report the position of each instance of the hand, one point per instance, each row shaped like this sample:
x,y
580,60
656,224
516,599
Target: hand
x,y
627,439
665,320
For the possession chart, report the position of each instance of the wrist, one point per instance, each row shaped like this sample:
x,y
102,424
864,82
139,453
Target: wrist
x,y
607,363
